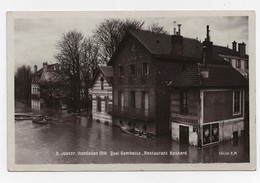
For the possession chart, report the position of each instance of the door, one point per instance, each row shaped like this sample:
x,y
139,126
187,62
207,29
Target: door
x,y
184,134
235,137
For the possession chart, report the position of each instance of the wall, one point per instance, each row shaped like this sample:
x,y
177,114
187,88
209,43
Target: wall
x,y
96,91
192,116
228,127
218,105
166,72
126,84
175,130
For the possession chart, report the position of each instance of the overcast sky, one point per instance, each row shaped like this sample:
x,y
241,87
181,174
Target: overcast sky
x,y
35,38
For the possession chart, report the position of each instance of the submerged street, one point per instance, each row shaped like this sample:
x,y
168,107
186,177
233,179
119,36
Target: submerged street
x,y
74,139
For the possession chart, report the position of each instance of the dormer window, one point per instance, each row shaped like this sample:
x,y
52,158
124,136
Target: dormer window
x,y
102,83
246,64
132,46
238,64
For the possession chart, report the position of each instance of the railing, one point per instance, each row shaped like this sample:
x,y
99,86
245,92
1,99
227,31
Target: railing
x,y
137,113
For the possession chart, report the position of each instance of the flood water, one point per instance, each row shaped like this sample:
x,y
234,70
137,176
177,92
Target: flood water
x,y
75,139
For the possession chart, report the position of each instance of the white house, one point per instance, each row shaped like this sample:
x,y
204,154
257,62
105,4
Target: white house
x,y
101,90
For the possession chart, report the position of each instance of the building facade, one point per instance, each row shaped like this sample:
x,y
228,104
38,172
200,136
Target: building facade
x,y
48,73
101,90
143,64
236,56
207,104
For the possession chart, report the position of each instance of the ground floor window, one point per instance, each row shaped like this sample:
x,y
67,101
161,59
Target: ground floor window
x,y
210,133
106,103
98,104
236,102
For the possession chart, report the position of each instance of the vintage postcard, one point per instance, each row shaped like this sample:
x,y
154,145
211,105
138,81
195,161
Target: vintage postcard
x,y
133,90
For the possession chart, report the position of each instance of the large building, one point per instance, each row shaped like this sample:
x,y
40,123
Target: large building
x,y
39,97
143,64
101,91
236,56
208,101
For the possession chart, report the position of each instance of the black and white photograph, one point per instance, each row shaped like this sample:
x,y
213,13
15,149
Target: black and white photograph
x,y
135,89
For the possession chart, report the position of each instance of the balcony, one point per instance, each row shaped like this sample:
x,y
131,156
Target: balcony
x,y
135,113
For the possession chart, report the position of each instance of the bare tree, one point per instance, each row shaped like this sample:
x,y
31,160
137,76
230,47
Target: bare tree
x,y
23,79
69,50
110,32
157,29
52,87
89,64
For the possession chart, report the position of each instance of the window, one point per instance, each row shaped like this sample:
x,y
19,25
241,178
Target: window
x,y
102,83
246,64
183,102
145,103
132,46
132,70
145,68
132,99
121,71
106,103
98,104
237,102
238,64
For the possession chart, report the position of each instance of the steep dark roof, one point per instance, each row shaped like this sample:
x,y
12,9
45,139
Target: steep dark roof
x,y
160,44
107,71
219,76
226,51
38,75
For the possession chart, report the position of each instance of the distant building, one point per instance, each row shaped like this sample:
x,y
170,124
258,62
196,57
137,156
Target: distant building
x,y
48,73
237,57
208,102
101,90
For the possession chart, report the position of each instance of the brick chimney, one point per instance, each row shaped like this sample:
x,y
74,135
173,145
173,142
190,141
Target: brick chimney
x,y
242,49
207,47
177,42
44,66
234,45
35,69
203,69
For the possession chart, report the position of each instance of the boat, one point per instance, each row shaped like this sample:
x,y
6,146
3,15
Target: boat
x,y
22,116
136,132
43,120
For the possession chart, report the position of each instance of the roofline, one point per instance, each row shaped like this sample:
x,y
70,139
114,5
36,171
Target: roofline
x,y
206,87
119,47
95,75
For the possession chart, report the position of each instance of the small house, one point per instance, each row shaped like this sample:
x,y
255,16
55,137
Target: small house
x,y
207,104
101,90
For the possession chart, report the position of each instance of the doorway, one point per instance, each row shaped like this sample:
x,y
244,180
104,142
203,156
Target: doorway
x,y
184,134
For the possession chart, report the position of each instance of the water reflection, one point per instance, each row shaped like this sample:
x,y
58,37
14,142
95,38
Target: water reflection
x,y
42,144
